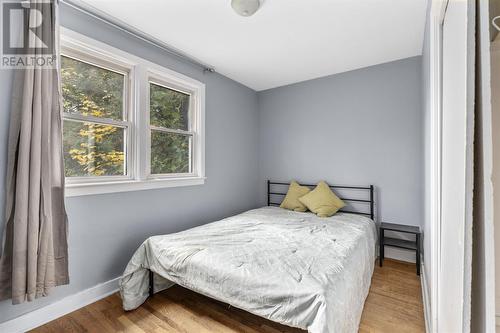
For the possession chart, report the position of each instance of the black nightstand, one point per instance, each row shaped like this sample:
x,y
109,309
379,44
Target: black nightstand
x,y
400,243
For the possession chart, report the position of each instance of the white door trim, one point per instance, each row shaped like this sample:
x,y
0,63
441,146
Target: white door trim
x,y
451,161
436,17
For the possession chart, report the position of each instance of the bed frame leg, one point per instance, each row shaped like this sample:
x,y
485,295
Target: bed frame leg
x,y
151,283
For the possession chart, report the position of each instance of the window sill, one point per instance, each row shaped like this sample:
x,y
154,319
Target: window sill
x,y
75,190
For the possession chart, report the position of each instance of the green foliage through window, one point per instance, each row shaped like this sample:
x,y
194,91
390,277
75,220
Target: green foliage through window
x,y
92,149
168,108
91,91
170,152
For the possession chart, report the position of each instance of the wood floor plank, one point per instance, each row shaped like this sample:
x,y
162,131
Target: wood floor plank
x,y
87,321
214,313
394,304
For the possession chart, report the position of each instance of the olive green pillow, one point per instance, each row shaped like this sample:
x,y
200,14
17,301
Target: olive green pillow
x,y
322,201
291,201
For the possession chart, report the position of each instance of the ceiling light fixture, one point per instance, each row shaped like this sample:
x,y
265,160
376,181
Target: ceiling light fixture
x,y
245,7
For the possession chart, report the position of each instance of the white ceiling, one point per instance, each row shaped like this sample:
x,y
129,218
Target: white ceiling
x,y
286,41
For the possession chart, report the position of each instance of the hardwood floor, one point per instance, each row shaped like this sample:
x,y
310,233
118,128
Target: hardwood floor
x,y
393,305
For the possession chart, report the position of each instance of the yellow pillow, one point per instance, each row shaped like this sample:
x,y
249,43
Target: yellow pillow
x,y
291,201
322,201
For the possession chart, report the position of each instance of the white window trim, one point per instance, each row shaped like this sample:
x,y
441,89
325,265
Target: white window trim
x,y
194,123
140,72
90,56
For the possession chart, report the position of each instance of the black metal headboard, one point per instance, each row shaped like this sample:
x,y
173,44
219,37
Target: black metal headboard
x,y
368,202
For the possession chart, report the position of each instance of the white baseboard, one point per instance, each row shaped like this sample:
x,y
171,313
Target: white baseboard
x,y
58,309
426,298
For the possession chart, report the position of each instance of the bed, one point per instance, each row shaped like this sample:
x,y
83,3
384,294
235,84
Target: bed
x,y
293,268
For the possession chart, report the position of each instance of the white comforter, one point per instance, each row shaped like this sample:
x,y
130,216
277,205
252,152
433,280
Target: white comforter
x,y
293,268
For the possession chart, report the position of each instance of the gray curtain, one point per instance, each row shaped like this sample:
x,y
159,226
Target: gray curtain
x,y
35,253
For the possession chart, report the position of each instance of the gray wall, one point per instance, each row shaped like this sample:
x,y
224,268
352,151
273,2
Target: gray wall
x,y
106,229
360,127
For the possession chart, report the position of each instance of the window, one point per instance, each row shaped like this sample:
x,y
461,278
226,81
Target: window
x,y
128,124
171,135
95,128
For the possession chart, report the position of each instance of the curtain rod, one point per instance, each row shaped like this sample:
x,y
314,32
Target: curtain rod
x,y
108,19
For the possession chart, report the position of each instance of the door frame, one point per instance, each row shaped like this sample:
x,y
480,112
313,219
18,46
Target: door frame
x,y
438,255
436,17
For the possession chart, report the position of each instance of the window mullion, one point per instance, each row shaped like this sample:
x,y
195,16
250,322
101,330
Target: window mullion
x,y
142,117
170,130
96,120
128,116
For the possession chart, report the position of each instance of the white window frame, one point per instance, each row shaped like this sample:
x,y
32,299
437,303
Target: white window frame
x,y
194,123
127,70
138,75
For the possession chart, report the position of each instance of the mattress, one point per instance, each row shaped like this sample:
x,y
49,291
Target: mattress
x,y
293,268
